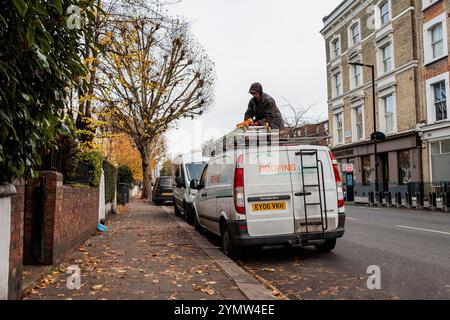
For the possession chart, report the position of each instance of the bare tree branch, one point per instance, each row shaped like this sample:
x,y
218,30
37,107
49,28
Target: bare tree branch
x,y
152,75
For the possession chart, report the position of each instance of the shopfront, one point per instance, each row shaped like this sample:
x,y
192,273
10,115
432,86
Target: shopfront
x,y
399,165
436,140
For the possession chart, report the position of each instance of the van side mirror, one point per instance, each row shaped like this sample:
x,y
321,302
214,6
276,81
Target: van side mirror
x,y
195,185
179,182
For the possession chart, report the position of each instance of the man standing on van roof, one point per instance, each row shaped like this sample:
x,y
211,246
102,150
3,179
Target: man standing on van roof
x,y
263,109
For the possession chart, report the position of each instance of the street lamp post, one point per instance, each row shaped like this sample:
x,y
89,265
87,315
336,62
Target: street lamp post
x,y
375,134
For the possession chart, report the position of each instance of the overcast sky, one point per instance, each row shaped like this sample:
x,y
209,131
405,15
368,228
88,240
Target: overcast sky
x,y
273,42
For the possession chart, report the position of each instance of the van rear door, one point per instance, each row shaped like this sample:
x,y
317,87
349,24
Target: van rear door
x,y
314,188
268,192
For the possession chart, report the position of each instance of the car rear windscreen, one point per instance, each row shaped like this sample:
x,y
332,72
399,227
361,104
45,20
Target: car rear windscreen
x,y
166,182
195,170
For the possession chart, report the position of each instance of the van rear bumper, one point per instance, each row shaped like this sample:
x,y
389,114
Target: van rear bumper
x,y
241,237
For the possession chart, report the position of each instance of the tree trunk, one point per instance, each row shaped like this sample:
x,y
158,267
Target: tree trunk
x,y
147,187
147,183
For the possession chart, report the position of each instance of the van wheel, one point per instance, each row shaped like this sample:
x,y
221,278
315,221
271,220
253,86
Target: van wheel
x,y
157,202
197,225
228,247
177,211
327,246
190,216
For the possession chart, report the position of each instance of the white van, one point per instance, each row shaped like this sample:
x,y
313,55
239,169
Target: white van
x,y
288,194
185,168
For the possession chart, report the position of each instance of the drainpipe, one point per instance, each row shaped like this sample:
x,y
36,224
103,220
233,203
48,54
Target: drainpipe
x,y
418,82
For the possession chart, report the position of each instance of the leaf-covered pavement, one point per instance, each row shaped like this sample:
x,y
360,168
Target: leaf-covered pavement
x,y
144,255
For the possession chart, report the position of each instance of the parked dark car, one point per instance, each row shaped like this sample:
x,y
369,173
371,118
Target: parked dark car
x,y
162,190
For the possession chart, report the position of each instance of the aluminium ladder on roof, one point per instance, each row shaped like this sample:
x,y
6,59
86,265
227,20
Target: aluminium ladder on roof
x,y
241,138
253,136
320,185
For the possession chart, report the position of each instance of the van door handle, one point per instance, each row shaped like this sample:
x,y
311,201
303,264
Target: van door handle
x,y
204,194
301,194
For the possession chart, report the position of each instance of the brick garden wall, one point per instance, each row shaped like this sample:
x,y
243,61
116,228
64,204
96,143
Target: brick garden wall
x,y
70,218
76,219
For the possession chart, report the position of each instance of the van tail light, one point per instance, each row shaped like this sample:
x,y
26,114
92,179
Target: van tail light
x,y
337,177
238,194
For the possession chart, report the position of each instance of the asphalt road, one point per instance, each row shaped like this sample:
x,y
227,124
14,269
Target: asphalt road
x,y
412,250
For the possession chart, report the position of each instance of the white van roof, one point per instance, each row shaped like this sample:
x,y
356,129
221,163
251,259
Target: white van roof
x,y
191,157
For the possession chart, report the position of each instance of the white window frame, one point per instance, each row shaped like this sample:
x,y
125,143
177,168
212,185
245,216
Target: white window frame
x,y
379,5
335,128
336,93
435,42
384,59
355,137
333,54
382,113
431,110
351,43
435,102
380,55
352,73
391,114
427,38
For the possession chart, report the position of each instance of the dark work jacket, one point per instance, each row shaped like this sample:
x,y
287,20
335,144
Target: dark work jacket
x,y
265,111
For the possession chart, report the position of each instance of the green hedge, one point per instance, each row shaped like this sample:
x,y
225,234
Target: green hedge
x,y
94,159
125,175
68,146
40,57
110,180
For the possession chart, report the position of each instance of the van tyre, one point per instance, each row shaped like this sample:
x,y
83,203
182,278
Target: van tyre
x,y
197,225
157,202
188,215
228,247
177,211
327,246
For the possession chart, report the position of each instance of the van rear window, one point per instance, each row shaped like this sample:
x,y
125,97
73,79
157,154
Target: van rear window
x,y
195,170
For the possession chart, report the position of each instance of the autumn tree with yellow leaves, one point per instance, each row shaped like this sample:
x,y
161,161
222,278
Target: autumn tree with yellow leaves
x,y
153,74
120,149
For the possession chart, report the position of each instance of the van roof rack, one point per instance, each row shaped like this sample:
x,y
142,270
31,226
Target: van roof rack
x,y
255,136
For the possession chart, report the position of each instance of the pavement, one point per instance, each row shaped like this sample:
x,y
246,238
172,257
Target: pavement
x,y
149,254
411,248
